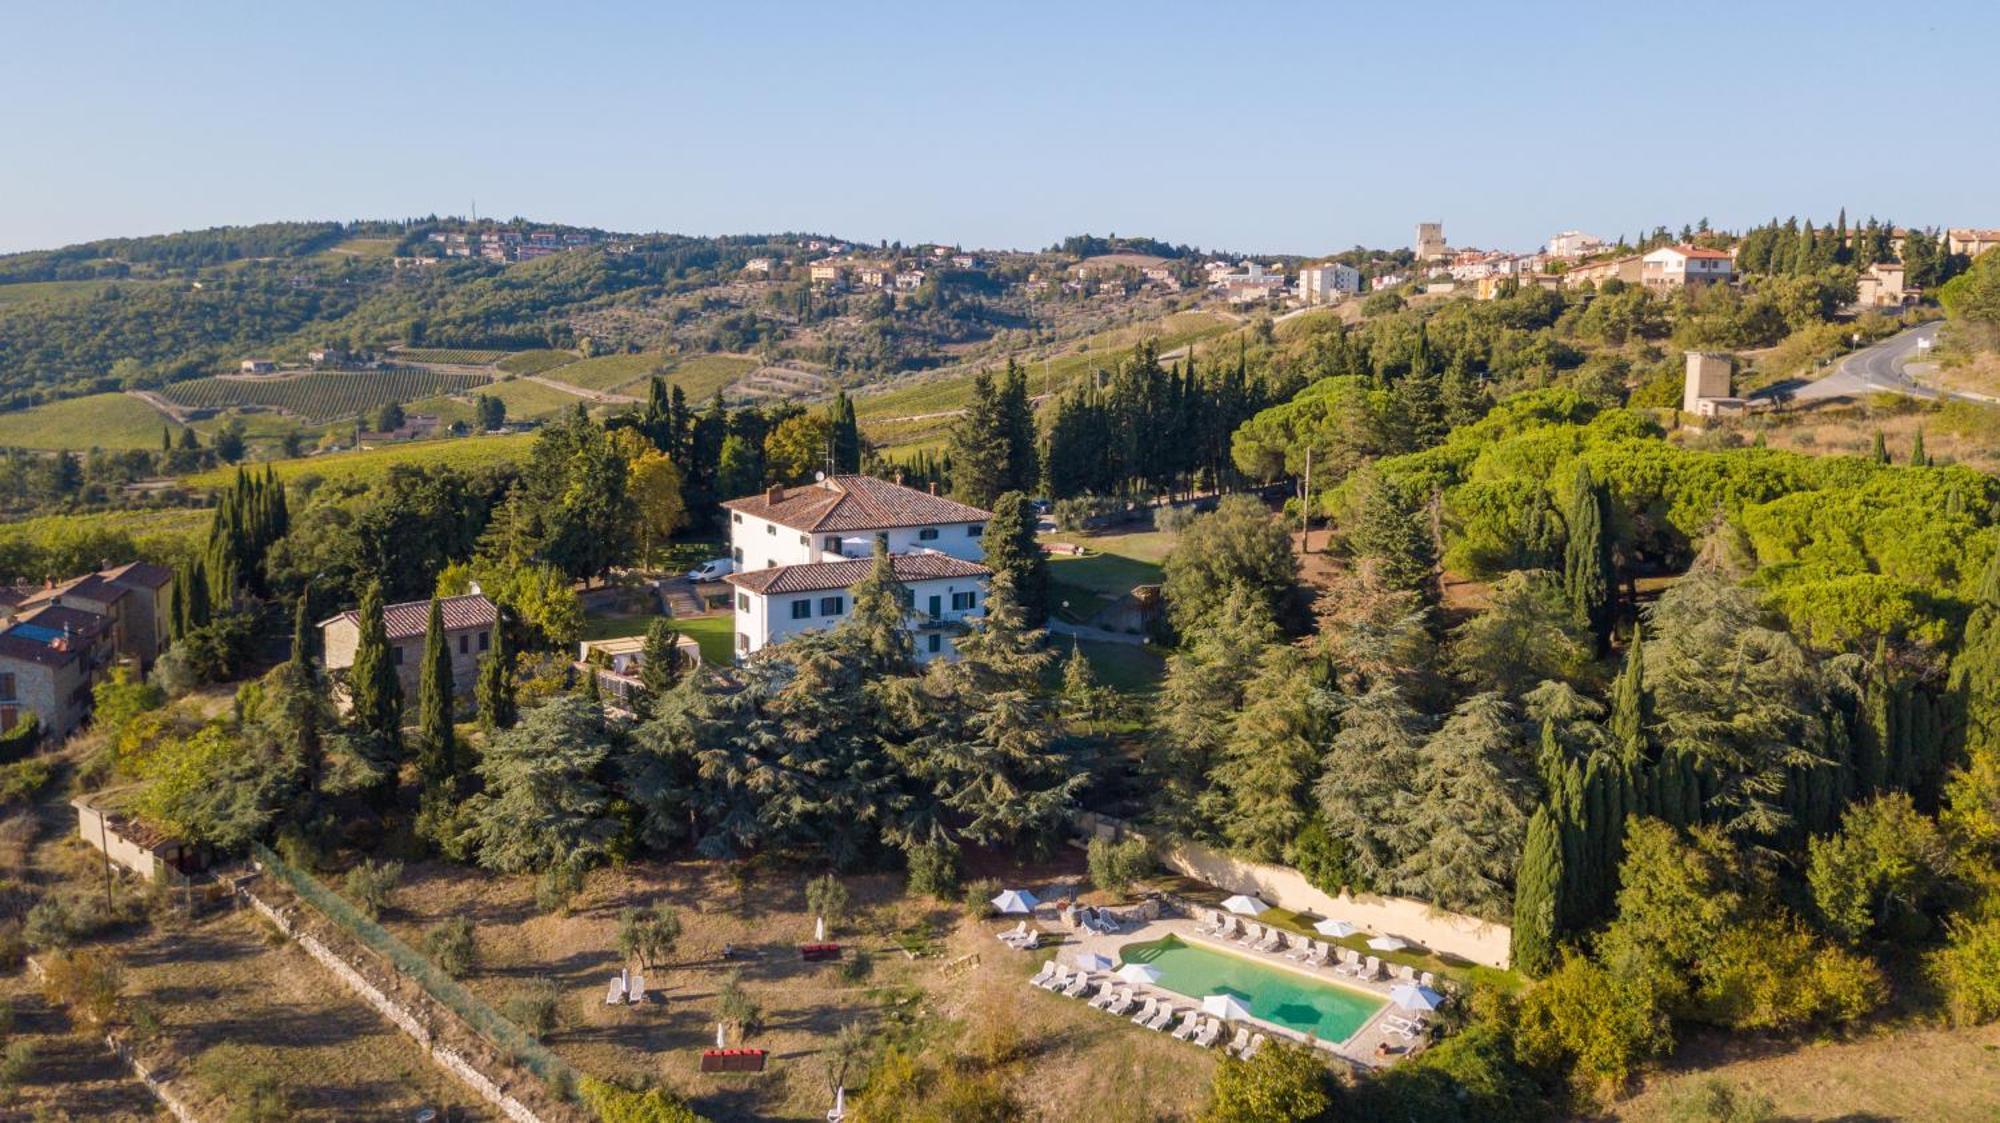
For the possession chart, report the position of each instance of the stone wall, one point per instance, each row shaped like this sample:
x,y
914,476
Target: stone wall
x,y
1447,933
404,1018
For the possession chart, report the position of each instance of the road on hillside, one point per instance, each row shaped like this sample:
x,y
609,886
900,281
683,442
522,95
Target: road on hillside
x,y
1878,368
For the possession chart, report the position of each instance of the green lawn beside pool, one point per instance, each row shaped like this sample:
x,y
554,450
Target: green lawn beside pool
x,y
1128,668
716,635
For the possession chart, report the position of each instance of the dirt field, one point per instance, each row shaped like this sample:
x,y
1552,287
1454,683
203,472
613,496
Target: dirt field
x,y
1957,435
73,1077
1917,1075
1074,1060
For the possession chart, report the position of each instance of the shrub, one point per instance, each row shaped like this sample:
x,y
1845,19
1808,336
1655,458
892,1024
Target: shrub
x,y
1595,1026
17,1063
933,872
1967,970
1283,1083
648,934
20,780
536,1008
979,898
369,884
89,982
1114,866
734,1006
1772,974
452,946
613,1104
557,887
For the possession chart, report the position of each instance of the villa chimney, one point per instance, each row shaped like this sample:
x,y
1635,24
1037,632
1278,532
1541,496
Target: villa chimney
x,y
899,477
775,494
933,487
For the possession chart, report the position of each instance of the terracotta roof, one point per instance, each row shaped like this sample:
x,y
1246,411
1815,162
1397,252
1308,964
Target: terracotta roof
x,y
821,576
51,635
412,618
143,574
1699,252
854,503
90,586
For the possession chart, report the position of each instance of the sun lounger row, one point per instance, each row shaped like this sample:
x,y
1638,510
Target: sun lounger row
x,y
1021,937
1097,920
1408,1029
1120,1001
1245,1044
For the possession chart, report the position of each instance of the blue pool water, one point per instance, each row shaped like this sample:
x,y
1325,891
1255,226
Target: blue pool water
x,y
1291,999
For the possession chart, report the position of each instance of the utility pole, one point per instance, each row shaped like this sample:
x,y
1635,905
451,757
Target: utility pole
x,y
1305,507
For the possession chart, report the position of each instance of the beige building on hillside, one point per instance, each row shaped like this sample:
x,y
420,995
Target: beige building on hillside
x,y
51,658
1674,267
1971,242
1627,269
1881,286
469,621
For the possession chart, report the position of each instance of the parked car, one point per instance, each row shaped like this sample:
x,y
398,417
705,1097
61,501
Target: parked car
x,y
713,569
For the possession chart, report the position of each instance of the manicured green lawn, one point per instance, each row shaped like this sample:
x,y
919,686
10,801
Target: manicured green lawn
x,y
716,635
1118,563
1128,668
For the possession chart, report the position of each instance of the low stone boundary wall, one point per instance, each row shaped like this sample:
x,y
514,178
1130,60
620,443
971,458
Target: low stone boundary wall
x,y
401,1016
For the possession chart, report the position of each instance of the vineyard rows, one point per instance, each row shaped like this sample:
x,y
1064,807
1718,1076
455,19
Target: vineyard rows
x,y
321,395
456,357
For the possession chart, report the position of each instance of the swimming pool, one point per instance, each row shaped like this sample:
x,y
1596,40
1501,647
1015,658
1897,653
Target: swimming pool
x,y
1282,997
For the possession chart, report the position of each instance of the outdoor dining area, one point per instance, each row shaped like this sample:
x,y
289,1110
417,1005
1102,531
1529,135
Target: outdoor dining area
x,y
1094,966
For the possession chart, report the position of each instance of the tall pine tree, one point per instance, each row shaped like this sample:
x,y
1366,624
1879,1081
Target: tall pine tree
x,y
376,692
1588,579
1012,549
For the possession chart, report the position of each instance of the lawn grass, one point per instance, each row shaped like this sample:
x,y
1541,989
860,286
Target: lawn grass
x,y
465,453
114,421
716,635
1129,668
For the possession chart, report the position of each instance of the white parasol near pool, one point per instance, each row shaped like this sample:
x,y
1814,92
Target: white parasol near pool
x,y
1016,901
1334,928
1228,1007
1415,997
1388,943
1244,905
1139,973
1091,961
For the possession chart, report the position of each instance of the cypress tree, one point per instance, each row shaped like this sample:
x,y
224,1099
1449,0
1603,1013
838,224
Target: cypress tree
x,y
302,632
846,433
1587,574
372,683
1880,451
437,750
1918,457
197,597
1537,921
495,690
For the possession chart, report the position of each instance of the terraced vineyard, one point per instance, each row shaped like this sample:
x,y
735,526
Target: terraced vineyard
x,y
321,396
535,362
470,358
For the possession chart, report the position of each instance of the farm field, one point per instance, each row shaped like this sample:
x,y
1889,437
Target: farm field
x,y
535,362
608,372
320,396
526,401
465,453
115,421
366,248
456,357
22,291
701,376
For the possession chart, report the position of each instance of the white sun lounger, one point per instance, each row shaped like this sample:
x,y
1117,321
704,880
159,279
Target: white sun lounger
x,y
1078,985
616,993
1190,1022
1256,1043
1272,941
1316,955
1251,933
636,992
1146,1011
1047,972
1125,1002
1159,1021
1209,1032
1057,979
1301,948
1225,929
1104,998
1427,979
1240,1042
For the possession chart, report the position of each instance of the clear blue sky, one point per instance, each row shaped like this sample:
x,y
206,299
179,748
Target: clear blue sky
x,y
1295,128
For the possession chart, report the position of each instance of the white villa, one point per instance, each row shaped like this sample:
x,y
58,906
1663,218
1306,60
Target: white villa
x,y
800,551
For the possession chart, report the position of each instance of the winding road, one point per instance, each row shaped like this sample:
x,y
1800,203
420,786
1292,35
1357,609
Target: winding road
x,y
1875,369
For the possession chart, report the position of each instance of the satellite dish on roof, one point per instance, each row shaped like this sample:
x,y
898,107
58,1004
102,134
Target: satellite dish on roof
x,y
819,477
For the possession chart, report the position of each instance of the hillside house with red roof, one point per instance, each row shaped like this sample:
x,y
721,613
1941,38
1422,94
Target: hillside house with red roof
x,y
1679,266
799,552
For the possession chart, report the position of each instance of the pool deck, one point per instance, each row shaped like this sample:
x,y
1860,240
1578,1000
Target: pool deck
x,y
1359,1050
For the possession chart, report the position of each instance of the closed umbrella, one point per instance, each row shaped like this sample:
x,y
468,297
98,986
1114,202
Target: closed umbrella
x,y
1387,943
1228,1007
1412,997
1334,928
1139,973
1244,905
1016,901
1091,961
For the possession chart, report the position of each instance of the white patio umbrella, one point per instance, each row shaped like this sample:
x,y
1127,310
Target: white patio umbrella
x,y
1016,900
1334,928
1228,1007
1244,905
1139,973
1387,943
1091,961
1411,997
